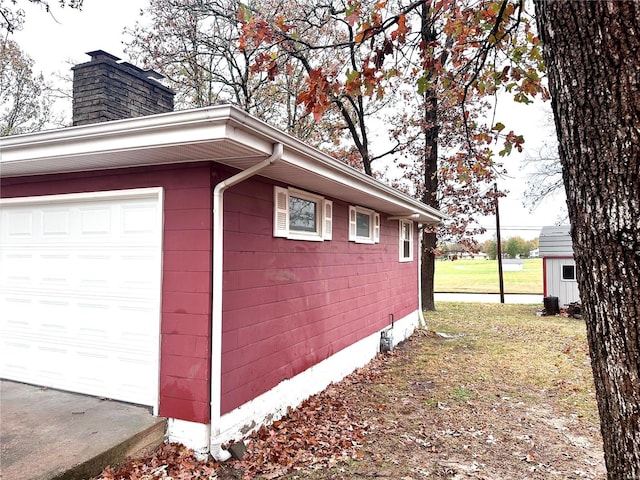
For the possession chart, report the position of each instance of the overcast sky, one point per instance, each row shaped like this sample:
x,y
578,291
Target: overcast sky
x,y
56,45
70,33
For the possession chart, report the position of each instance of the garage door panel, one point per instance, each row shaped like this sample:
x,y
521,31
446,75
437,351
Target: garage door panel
x,y
15,266
83,370
18,225
95,222
80,295
56,223
137,220
14,352
53,317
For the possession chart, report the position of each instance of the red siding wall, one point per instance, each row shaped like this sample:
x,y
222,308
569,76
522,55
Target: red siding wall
x,y
186,305
289,304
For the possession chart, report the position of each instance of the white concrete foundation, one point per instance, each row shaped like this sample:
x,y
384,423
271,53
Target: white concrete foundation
x,y
272,405
191,434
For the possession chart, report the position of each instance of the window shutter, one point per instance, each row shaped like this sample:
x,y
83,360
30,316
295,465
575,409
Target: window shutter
x,y
327,229
352,223
376,228
280,212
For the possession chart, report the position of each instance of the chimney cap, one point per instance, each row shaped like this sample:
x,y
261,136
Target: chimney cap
x,y
153,74
102,55
132,67
145,73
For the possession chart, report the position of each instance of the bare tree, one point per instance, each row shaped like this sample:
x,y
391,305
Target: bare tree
x,y
12,15
544,173
25,98
197,46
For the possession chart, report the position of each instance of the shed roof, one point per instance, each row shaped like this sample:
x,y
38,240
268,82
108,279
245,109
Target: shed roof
x,y
555,241
223,134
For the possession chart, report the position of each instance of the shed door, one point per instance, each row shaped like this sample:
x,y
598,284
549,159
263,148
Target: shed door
x,y
80,280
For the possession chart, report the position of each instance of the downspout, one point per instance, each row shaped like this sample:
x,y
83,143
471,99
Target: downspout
x,y
421,320
216,300
417,252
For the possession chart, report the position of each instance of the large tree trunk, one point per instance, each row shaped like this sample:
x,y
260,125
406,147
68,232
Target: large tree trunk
x,y
430,132
430,197
427,273
591,50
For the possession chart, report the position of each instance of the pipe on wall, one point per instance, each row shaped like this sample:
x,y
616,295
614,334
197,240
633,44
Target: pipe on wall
x,y
216,300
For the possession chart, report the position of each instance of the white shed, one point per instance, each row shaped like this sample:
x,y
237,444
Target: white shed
x,y
558,265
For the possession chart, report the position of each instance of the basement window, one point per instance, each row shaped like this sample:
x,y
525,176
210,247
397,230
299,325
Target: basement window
x,y
406,241
568,272
300,215
364,225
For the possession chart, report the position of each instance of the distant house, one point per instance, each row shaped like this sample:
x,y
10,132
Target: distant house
x,y
473,256
199,262
512,264
558,265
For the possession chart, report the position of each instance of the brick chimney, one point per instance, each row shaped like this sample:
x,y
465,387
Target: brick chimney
x,y
107,89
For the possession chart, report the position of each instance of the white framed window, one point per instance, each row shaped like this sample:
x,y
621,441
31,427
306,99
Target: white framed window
x,y
300,215
406,241
364,225
568,273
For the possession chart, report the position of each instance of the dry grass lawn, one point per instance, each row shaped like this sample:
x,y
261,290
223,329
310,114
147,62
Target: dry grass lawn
x,y
486,391
509,395
481,276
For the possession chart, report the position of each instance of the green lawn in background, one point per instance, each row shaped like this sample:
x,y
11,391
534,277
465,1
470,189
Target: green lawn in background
x,y
481,276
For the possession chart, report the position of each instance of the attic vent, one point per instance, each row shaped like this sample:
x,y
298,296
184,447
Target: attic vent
x,y
107,89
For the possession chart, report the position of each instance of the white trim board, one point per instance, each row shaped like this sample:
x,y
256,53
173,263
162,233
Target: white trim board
x,y
151,192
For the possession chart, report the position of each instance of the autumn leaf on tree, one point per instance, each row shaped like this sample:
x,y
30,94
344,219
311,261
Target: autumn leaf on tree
x,y
371,83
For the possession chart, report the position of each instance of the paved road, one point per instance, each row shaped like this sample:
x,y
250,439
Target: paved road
x,y
488,298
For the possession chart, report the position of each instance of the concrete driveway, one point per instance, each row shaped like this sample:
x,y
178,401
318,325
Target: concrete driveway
x,y
48,434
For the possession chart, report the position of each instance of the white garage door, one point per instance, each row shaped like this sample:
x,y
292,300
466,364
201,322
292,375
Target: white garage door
x,y
80,281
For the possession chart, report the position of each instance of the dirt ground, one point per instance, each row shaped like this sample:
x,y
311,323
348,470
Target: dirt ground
x,y
491,403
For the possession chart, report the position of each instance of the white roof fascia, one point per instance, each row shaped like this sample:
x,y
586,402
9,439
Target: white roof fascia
x,y
174,128
92,147
316,161
371,187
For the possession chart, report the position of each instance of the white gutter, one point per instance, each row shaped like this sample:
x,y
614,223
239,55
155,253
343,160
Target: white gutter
x,y
216,302
413,216
161,139
422,320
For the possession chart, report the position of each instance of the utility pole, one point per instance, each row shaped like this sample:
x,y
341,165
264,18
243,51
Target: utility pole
x,y
499,245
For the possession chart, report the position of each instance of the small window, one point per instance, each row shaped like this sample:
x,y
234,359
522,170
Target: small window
x,y
364,225
406,241
303,214
300,215
568,272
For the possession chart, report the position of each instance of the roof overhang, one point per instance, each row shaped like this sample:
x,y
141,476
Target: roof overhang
x,y
222,134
